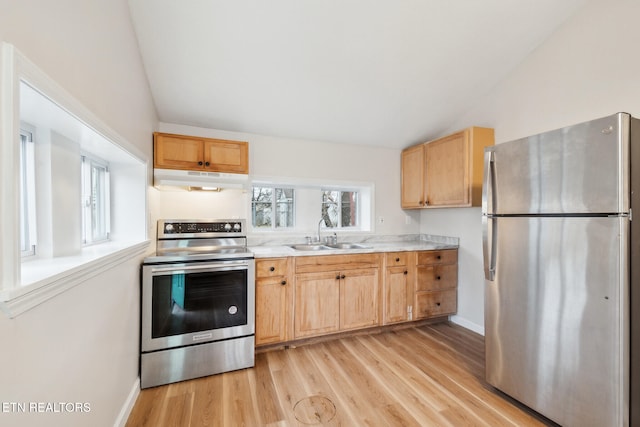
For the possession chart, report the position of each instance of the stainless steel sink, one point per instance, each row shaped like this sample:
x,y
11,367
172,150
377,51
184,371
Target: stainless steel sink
x,y
310,247
348,246
328,246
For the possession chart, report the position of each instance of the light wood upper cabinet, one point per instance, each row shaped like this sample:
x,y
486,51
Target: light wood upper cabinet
x,y
200,154
273,300
446,172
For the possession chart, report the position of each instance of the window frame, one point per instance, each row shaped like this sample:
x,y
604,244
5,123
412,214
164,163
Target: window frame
x,y
88,199
340,226
28,231
274,205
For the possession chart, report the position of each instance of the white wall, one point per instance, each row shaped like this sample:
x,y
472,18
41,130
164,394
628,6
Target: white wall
x,y
298,160
588,69
81,346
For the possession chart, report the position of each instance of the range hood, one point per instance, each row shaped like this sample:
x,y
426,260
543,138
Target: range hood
x,y
195,180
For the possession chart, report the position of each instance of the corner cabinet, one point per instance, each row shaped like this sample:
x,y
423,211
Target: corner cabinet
x,y
446,172
200,154
273,301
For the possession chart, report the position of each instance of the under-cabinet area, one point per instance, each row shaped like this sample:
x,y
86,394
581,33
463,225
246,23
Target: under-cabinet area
x,y
300,297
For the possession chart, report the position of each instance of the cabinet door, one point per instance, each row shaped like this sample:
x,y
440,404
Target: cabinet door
x,y
447,173
359,298
317,309
271,310
226,156
413,166
395,295
178,152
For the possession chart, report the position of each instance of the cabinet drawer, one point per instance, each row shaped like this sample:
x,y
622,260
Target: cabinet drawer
x,y
432,304
436,277
270,267
448,256
395,259
318,263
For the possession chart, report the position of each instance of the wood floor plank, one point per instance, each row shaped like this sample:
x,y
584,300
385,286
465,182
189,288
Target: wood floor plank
x,y
431,375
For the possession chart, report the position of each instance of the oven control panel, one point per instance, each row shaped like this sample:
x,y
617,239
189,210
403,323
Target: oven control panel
x,y
197,227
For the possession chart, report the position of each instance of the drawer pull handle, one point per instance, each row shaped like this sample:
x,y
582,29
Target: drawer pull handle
x,y
284,282
272,269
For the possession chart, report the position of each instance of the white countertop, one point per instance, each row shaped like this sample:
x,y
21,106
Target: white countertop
x,y
374,245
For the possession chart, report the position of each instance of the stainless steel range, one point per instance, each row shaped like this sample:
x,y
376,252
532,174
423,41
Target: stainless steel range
x,y
198,302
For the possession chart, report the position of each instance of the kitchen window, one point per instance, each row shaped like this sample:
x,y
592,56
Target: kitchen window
x,y
339,208
27,192
272,207
95,200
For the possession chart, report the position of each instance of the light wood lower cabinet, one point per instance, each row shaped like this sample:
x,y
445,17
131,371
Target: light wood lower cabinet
x,y
273,300
398,287
336,293
436,283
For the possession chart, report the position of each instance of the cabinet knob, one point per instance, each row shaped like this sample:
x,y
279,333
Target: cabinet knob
x,y
272,268
438,304
438,257
406,272
207,164
397,259
200,163
437,277
342,277
338,277
284,282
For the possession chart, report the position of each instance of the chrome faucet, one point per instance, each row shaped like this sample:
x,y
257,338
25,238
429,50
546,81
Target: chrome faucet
x,y
320,222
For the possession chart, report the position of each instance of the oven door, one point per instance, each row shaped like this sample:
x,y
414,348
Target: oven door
x,y
191,303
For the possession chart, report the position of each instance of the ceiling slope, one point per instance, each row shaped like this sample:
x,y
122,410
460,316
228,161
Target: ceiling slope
x,y
386,73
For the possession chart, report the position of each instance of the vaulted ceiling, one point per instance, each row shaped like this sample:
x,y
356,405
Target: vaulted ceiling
x,y
376,72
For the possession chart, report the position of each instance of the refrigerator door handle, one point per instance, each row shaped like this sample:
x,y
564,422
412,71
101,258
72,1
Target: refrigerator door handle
x,y
488,247
487,187
488,223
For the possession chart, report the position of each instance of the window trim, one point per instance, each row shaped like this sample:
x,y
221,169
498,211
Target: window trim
x,y
88,163
50,277
366,210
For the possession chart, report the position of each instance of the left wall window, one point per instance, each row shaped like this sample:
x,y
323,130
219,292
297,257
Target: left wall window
x,y
95,200
27,192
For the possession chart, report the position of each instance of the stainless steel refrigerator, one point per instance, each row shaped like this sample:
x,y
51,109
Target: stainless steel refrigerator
x,y
561,258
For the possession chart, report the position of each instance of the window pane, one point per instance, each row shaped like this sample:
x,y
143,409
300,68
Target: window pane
x,y
349,208
284,207
261,206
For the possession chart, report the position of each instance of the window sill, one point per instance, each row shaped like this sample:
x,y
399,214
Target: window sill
x,y
47,278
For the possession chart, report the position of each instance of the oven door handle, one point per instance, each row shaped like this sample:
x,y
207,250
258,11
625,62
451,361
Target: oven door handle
x,y
182,268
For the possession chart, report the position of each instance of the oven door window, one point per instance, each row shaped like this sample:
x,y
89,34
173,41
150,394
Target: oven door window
x,y
185,303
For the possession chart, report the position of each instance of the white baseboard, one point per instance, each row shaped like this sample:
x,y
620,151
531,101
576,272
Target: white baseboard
x,y
465,323
123,416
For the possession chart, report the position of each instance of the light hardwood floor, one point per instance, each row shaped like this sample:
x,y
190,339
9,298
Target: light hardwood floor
x,y
426,376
